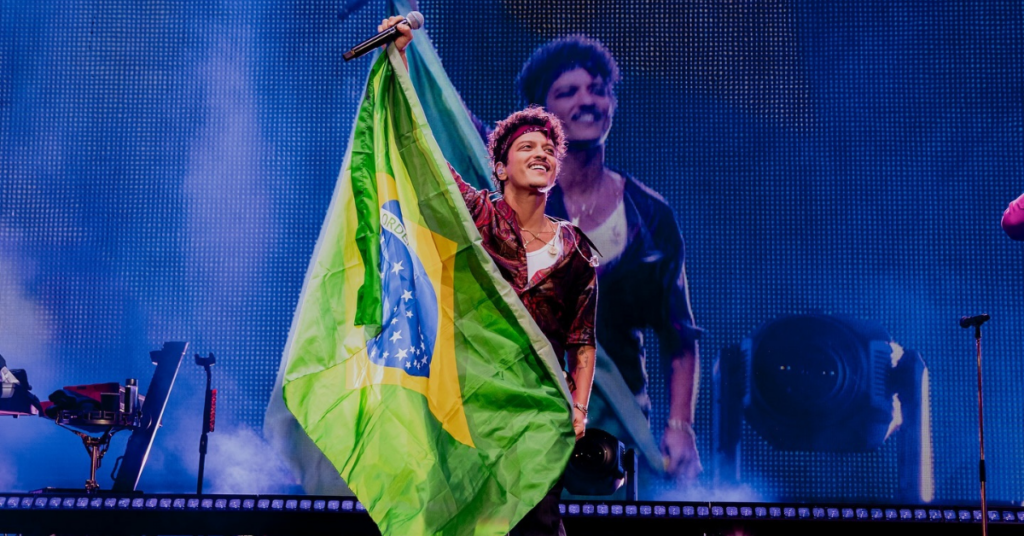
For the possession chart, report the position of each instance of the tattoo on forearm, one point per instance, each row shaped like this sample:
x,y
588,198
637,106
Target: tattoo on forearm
x,y
583,358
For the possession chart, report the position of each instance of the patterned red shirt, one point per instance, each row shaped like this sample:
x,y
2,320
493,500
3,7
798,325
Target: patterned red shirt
x,y
562,298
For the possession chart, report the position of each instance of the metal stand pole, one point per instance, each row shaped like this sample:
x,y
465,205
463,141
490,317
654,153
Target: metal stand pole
x,y
97,448
206,363
630,461
981,435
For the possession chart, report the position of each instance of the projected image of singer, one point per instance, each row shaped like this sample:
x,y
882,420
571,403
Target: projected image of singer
x,y
642,274
548,262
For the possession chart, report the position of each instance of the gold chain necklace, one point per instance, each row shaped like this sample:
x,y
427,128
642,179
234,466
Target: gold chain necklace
x,y
552,247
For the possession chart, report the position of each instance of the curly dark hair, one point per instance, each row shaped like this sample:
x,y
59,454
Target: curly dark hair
x,y
549,61
499,139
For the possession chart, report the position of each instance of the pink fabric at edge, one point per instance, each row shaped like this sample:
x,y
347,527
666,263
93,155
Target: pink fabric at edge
x,y
1013,219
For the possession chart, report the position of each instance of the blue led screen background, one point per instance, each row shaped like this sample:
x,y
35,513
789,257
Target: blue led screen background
x,y
166,167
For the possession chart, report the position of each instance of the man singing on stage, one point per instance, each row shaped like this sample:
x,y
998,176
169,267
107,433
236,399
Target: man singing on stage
x,y
548,262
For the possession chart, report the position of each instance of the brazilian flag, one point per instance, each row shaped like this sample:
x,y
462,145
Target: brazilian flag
x,y
412,365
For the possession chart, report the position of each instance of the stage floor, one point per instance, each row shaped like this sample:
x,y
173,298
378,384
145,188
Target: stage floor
x,y
122,514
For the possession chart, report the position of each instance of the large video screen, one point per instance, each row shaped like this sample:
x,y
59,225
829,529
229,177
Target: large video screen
x,y
796,202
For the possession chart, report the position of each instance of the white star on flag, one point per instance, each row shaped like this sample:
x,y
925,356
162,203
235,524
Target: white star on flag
x,y
396,336
397,267
406,296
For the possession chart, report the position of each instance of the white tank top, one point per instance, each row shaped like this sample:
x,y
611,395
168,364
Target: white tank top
x,y
610,235
543,257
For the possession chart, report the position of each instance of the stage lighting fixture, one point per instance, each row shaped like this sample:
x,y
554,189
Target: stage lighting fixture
x,y
825,383
600,465
818,383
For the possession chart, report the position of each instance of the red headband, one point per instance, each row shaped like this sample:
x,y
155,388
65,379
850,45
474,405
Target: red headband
x,y
522,131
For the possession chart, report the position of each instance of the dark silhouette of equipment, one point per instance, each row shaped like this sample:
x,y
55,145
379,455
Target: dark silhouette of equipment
x,y
96,412
976,322
209,415
824,383
600,464
167,361
100,408
16,399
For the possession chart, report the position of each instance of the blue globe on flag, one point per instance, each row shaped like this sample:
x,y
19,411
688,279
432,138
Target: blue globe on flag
x,y
409,325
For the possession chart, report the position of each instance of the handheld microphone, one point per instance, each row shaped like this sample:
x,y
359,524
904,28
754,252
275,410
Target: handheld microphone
x,y
413,20
969,321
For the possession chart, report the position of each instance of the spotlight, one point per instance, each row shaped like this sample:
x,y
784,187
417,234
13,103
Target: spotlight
x,y
817,383
600,465
825,383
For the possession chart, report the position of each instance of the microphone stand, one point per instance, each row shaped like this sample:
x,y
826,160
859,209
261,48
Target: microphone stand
x,y
209,405
981,432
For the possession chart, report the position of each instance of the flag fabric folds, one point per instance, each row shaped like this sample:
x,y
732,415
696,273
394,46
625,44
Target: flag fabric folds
x,y
460,139
461,143
411,364
462,146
